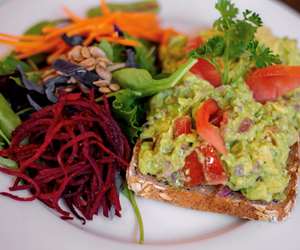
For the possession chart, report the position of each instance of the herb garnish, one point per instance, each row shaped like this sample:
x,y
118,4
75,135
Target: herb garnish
x,y
235,40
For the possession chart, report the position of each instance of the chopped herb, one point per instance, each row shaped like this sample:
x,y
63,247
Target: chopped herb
x,y
236,39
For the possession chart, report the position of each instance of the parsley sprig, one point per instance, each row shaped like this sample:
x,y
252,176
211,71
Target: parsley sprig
x,y
236,40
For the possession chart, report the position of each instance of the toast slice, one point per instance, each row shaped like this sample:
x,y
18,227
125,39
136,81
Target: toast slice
x,y
208,198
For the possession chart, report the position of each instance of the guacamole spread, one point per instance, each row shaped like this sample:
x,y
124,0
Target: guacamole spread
x,y
257,136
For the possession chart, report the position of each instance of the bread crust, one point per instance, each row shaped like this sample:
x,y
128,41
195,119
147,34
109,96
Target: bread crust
x,y
207,198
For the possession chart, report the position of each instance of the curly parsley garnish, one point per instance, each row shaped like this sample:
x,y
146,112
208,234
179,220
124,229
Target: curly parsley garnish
x,y
236,40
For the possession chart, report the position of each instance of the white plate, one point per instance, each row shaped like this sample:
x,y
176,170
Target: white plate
x,y
31,226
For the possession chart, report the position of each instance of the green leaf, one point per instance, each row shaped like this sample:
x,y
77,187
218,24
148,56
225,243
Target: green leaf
x,y
9,64
128,108
37,28
8,163
140,80
114,52
236,40
262,56
131,197
144,5
17,80
107,48
35,76
8,119
145,56
253,18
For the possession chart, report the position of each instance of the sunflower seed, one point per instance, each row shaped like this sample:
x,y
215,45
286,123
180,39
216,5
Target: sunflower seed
x,y
91,68
104,90
88,63
104,60
103,73
114,87
85,52
75,54
165,196
101,83
102,64
96,52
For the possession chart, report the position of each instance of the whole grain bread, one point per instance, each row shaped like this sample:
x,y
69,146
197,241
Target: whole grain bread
x,y
208,198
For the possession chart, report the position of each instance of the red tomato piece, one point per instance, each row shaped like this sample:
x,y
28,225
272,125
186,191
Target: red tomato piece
x,y
267,84
207,71
194,170
182,125
203,68
213,169
209,132
194,43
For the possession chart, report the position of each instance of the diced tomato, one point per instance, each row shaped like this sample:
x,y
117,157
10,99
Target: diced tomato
x,y
194,170
209,132
194,43
210,171
203,68
267,84
213,170
207,71
182,125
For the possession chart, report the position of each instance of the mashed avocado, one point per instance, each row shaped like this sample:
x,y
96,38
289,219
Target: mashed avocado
x,y
257,137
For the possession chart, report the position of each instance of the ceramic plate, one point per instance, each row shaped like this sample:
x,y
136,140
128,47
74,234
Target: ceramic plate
x,y
32,226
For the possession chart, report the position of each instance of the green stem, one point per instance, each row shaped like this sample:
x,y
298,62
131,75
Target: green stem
x,y
2,135
21,112
131,197
8,163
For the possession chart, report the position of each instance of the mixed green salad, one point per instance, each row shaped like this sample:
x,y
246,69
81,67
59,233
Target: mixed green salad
x,y
217,108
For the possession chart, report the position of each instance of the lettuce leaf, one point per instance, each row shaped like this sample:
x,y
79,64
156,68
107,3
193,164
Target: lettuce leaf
x,y
129,108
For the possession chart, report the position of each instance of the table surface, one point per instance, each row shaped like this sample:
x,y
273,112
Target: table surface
x,y
295,4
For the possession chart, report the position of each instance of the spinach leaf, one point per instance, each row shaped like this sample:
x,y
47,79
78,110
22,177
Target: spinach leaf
x,y
144,5
128,107
114,52
9,64
107,48
8,119
37,28
140,80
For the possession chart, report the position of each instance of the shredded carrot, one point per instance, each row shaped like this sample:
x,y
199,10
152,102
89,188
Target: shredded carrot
x,y
61,50
18,37
143,25
167,34
71,15
125,42
104,7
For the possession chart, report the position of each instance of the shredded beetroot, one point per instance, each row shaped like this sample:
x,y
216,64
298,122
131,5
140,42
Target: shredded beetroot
x,y
70,151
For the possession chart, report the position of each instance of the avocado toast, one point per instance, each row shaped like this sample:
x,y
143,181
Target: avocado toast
x,y
225,141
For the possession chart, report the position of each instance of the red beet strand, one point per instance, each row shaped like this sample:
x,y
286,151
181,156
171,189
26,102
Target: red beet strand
x,y
74,151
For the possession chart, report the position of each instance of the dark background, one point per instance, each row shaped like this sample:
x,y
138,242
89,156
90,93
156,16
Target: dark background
x,y
295,4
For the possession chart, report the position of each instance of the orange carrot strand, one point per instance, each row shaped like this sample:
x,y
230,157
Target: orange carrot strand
x,y
104,7
71,15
